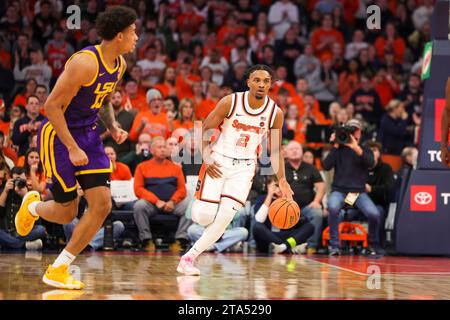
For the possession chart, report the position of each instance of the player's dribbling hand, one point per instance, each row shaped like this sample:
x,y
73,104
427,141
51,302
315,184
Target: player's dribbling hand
x,y
445,156
119,135
213,170
212,167
78,157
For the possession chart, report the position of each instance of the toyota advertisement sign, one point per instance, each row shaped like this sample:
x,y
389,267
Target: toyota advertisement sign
x,y
423,224
422,221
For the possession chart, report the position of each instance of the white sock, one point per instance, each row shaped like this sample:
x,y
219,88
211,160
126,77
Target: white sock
x,y
32,208
283,247
65,257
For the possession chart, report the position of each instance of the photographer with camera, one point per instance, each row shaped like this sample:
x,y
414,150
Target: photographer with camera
x,y
351,165
10,200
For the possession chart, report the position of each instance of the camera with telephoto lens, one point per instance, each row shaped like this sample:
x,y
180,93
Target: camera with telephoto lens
x,y
342,133
20,183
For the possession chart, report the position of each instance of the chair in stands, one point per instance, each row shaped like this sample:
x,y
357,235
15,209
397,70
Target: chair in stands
x,y
352,235
393,160
163,226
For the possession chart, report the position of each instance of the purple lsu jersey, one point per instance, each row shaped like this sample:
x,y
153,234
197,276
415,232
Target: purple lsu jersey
x,y
81,115
83,109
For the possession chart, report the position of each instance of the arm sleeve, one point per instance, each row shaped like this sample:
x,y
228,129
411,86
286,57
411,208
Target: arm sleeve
x,y
330,160
262,213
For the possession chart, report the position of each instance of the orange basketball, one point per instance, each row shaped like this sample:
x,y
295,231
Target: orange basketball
x,y
284,214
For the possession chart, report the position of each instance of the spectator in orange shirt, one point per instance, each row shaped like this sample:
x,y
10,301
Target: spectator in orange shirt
x,y
120,170
386,86
29,89
293,124
134,101
349,80
152,120
4,124
281,82
167,83
209,104
185,117
160,186
198,94
189,19
185,79
390,41
322,39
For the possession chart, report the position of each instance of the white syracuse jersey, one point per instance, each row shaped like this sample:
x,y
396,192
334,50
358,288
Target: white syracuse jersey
x,y
242,131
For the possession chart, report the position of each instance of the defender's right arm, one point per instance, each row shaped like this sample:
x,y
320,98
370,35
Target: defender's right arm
x,y
80,70
212,121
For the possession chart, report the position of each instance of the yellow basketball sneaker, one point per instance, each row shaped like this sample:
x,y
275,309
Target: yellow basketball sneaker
x,y
60,277
24,219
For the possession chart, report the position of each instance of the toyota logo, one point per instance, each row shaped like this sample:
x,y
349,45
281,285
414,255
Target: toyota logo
x,y
423,198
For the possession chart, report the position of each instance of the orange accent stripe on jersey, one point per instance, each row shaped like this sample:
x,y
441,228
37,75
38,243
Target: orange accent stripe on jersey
x,y
253,114
271,115
233,107
232,198
201,178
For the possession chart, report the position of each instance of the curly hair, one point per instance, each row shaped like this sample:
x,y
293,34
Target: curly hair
x,y
114,20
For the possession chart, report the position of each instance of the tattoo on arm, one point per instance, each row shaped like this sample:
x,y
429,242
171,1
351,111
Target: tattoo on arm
x,y
107,114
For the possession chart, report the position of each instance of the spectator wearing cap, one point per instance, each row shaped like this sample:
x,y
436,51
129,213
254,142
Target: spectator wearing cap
x,y
351,164
151,121
39,69
27,126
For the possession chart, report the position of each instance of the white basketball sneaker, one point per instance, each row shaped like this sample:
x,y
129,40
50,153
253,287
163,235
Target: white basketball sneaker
x,y
186,266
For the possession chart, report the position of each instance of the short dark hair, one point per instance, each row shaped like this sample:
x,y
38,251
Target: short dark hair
x,y
17,170
257,67
32,96
114,20
40,86
372,144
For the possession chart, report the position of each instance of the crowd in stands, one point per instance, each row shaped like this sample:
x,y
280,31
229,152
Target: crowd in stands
x,y
329,69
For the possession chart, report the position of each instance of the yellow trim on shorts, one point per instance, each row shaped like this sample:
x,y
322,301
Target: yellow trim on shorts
x,y
96,60
45,156
103,61
53,164
90,171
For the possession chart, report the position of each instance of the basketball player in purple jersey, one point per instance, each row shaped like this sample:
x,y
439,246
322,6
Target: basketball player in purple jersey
x,y
69,143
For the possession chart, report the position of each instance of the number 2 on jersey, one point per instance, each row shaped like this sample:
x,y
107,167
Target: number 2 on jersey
x,y
243,140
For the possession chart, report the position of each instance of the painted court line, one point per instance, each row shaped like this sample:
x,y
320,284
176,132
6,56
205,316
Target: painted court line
x,y
337,267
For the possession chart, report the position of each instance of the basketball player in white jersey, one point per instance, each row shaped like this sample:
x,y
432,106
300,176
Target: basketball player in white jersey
x,y
229,164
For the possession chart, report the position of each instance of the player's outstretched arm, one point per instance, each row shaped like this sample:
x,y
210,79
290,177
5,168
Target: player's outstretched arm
x,y
80,70
212,121
276,156
445,154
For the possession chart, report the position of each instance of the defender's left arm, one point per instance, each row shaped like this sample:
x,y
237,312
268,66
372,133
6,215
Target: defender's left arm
x,y
276,156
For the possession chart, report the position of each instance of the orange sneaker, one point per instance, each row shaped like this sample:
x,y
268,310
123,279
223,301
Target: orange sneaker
x,y
24,219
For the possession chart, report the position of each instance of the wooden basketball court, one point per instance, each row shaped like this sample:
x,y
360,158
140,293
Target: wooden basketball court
x,y
142,276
